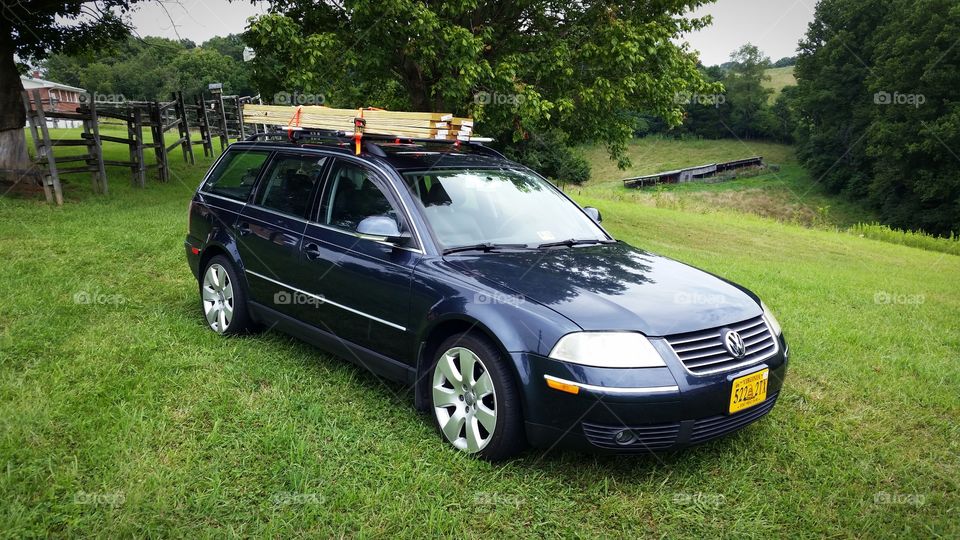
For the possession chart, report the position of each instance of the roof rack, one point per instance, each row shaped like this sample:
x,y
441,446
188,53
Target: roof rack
x,y
370,140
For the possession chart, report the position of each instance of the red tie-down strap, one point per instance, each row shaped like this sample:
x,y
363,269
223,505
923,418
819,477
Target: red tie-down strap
x,y
358,124
294,122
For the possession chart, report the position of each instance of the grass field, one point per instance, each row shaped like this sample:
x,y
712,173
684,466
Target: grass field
x,y
779,78
788,194
122,414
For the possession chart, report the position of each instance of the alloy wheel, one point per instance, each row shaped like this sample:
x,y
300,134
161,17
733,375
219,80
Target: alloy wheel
x,y
464,400
218,298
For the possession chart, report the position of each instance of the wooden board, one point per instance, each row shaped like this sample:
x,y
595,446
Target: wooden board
x,y
415,125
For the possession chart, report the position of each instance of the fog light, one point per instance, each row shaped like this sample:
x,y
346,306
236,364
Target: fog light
x,y
624,437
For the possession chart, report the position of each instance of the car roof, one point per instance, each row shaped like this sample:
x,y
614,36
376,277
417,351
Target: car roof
x,y
402,155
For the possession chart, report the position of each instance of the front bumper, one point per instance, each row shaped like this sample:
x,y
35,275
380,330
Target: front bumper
x,y
664,408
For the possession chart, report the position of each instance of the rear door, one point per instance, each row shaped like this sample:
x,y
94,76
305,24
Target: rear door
x,y
365,283
270,230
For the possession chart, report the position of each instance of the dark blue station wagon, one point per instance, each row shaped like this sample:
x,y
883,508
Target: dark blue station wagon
x,y
512,314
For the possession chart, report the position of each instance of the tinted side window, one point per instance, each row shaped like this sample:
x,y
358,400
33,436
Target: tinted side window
x,y
351,196
289,182
236,174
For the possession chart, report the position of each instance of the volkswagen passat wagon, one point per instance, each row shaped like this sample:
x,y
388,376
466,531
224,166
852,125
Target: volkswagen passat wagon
x,y
512,314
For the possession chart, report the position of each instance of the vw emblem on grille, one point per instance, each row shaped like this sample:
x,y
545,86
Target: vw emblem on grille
x,y
734,344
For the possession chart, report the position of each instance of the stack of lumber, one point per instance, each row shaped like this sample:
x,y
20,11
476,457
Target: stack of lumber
x,y
414,125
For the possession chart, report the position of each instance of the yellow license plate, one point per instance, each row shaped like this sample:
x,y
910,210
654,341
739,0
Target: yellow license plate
x,y
749,390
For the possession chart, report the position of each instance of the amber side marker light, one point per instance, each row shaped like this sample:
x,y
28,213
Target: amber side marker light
x,y
563,387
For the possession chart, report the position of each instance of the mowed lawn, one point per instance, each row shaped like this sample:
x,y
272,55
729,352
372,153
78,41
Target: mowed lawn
x,y
122,414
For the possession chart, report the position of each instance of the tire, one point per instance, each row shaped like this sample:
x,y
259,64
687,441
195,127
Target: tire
x,y
223,300
483,416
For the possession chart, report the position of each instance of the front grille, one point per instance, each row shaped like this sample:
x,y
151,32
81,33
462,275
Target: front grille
x,y
703,352
650,437
717,426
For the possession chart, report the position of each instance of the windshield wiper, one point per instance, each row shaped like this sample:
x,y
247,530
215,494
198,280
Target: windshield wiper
x,y
484,246
570,242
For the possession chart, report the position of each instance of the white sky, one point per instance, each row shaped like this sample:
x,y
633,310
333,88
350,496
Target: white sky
x,y
773,25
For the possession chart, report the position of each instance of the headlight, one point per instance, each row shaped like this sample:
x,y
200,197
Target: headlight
x,y
607,349
771,320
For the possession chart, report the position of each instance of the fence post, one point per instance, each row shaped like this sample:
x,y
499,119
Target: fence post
x,y
47,151
95,126
37,146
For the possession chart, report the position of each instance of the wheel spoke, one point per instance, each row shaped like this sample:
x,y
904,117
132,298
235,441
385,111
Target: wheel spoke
x,y
222,320
474,440
449,370
211,313
213,278
209,294
221,278
483,386
228,312
444,397
486,417
454,425
467,362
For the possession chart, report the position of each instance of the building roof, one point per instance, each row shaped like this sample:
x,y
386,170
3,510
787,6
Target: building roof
x,y
30,83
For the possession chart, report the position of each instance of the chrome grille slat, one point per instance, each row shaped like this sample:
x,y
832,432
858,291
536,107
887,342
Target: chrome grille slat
x,y
703,352
719,351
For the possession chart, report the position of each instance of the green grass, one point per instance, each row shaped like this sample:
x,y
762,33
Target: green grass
x,y
788,194
125,416
779,78
921,240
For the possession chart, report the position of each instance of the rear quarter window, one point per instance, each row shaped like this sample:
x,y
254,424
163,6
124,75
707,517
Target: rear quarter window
x,y
236,174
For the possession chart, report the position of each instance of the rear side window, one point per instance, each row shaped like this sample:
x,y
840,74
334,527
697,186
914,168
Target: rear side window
x,y
289,183
236,174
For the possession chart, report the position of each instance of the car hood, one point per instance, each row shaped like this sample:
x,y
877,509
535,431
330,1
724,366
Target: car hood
x,y
614,287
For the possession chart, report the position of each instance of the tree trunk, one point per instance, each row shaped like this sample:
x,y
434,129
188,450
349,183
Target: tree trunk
x,y
13,144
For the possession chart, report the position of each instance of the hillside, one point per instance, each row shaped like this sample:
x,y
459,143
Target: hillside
x,y
779,78
788,194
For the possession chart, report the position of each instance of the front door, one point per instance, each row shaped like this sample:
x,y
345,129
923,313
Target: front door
x,y
365,283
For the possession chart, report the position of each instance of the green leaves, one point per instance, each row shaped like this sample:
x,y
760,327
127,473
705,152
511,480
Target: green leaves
x,y
877,96
521,68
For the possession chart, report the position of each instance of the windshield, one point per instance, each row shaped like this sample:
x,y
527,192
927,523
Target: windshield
x,y
476,206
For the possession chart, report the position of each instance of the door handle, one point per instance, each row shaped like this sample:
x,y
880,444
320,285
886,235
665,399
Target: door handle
x,y
243,229
312,251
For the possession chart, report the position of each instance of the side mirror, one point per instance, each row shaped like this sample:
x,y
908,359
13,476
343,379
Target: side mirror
x,y
381,229
593,213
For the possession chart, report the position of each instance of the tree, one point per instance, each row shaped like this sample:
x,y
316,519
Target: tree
x,y
522,68
747,98
32,31
879,117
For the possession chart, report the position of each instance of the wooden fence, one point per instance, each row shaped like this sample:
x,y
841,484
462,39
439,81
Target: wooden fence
x,y
171,124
